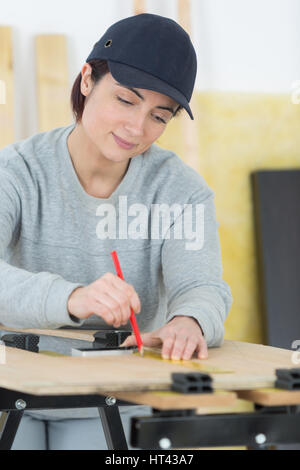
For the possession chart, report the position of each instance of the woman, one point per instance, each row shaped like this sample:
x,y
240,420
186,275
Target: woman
x,y
69,196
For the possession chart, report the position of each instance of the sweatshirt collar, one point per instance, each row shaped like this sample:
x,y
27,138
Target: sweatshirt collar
x,y
91,202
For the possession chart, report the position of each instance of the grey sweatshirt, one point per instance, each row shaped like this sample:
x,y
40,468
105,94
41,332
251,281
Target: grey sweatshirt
x,y
55,237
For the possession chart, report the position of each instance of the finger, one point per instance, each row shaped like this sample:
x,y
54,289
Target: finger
x,y
147,339
191,346
123,302
167,347
202,349
128,290
129,341
178,347
103,312
135,303
152,342
113,307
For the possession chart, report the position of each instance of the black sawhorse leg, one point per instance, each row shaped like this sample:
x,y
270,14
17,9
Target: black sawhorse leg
x,y
110,418
9,423
108,408
113,428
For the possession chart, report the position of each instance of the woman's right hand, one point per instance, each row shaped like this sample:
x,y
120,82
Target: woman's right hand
x,y
109,297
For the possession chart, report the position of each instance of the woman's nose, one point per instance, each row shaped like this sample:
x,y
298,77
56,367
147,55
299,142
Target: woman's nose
x,y
135,126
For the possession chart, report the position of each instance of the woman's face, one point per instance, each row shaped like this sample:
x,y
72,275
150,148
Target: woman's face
x,y
114,112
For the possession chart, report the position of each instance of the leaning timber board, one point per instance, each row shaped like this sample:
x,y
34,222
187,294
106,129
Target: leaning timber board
x,y
6,87
80,334
276,196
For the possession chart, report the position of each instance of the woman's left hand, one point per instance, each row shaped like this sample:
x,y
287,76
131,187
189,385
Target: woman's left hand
x,y
180,339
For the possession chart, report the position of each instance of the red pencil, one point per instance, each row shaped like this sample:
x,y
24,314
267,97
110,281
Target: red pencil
x,y
132,316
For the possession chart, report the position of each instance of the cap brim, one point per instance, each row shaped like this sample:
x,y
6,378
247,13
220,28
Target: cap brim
x,y
133,77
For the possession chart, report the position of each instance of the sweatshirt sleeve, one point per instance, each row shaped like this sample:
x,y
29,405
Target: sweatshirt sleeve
x,y
27,300
192,268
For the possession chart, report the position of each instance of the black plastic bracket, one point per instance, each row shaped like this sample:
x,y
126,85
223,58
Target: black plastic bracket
x,y
191,383
27,342
288,379
110,338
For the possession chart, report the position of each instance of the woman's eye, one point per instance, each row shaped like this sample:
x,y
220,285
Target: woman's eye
x,y
123,101
159,119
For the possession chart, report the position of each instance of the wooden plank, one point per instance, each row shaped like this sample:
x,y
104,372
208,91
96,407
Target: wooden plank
x,y
271,396
277,221
239,363
184,15
139,6
254,365
239,406
189,127
53,91
6,87
40,374
178,401
83,335
253,368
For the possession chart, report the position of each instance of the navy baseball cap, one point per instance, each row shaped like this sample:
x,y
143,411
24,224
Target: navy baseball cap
x,y
151,52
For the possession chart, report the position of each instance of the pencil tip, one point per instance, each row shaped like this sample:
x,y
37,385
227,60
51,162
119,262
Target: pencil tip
x,y
142,351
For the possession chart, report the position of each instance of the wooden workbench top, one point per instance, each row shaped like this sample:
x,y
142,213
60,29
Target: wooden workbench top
x,y
245,366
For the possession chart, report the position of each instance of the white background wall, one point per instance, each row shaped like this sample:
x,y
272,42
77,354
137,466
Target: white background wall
x,y
242,45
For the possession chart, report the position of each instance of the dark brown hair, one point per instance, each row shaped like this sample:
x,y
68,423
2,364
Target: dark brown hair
x,y
99,70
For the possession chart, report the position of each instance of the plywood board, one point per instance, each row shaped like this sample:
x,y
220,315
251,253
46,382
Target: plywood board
x,y
271,396
277,223
6,87
83,335
171,400
253,367
41,374
53,90
139,7
188,127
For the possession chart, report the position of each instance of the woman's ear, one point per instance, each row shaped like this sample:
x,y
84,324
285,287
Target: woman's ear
x,y
86,85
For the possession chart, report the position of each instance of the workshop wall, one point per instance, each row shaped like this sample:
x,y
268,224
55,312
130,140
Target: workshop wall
x,y
237,134
248,46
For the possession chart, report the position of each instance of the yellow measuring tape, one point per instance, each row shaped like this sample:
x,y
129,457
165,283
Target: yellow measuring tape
x,y
156,354
201,367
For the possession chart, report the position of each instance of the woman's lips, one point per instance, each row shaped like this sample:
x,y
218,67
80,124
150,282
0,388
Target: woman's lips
x,y
123,144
